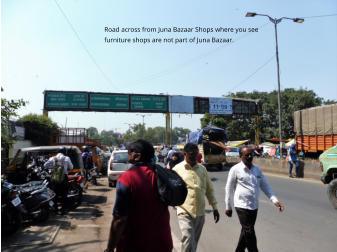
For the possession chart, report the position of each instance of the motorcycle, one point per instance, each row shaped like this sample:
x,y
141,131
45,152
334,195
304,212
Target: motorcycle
x,y
36,200
32,201
74,186
93,175
75,190
11,217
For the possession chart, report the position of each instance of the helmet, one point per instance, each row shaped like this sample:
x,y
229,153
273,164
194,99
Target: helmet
x,y
85,148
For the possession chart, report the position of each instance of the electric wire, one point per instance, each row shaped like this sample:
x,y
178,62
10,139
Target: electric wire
x,y
193,60
252,74
85,48
328,15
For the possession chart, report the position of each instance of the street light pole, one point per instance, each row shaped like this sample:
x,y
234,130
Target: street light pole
x,y
278,88
143,131
275,21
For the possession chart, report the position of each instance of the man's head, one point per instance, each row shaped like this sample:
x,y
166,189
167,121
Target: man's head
x,y
62,150
191,153
246,155
140,151
85,148
175,156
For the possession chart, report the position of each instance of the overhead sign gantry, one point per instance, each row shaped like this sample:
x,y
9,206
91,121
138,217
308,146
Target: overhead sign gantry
x,y
121,102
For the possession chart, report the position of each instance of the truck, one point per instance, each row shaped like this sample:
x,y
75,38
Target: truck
x,y
316,128
79,137
328,165
211,143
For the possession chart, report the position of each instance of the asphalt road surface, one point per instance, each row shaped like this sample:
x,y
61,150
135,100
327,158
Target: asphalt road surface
x,y
308,223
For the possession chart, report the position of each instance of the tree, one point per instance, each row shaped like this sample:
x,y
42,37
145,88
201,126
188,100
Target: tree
x,y
38,128
179,134
240,127
8,110
92,131
107,137
329,102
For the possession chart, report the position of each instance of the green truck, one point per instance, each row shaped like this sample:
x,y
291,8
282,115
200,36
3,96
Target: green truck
x,y
328,165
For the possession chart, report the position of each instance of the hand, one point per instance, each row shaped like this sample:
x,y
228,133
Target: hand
x,y
229,213
216,215
279,205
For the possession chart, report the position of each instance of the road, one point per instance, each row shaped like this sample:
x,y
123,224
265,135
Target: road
x,y
309,223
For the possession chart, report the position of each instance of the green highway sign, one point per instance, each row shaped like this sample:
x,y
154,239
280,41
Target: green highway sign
x,y
66,100
109,101
148,103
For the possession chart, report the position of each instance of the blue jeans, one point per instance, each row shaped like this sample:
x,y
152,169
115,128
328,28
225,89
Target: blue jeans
x,y
291,166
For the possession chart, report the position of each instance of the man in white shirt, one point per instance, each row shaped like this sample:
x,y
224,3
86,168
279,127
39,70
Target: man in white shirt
x,y
62,188
243,182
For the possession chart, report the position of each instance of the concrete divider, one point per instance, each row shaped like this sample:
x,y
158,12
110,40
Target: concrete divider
x,y
307,168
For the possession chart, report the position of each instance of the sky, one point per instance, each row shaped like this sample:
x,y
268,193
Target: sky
x,y
60,45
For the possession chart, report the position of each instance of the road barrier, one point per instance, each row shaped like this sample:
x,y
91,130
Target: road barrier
x,y
307,168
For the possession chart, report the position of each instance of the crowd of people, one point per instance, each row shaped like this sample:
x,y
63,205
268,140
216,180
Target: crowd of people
x,y
141,222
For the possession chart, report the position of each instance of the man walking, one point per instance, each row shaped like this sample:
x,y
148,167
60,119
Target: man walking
x,y
191,215
292,159
243,182
141,222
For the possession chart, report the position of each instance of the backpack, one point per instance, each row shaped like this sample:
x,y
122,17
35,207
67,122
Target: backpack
x,y
58,172
171,187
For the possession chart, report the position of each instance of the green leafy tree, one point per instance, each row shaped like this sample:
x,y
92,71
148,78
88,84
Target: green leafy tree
x,y
9,109
179,133
329,102
240,127
38,128
92,131
107,137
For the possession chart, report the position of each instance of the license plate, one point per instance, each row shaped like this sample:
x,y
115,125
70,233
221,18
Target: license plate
x,y
82,184
16,201
51,203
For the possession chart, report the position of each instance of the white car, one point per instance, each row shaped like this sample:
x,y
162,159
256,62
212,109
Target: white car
x,y
232,151
118,163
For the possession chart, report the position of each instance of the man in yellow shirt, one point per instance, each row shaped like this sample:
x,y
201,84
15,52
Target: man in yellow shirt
x,y
191,214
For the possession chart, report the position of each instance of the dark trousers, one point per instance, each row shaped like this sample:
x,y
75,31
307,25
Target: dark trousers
x,y
247,237
61,191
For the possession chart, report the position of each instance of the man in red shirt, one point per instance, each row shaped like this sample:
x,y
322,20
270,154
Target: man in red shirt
x,y
141,222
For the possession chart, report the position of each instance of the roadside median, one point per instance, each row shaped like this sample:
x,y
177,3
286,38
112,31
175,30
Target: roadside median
x,y
307,168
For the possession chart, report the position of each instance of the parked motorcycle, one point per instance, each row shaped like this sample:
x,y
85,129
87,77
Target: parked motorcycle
x,y
11,217
36,200
30,201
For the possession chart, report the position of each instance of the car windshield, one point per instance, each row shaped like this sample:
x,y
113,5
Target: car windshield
x,y
121,157
234,149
